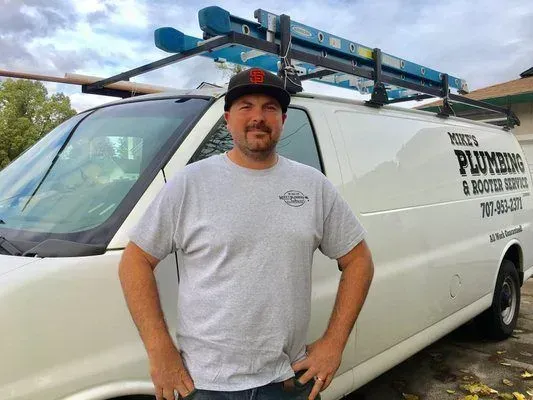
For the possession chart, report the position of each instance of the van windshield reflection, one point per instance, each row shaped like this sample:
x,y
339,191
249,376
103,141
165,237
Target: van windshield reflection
x,y
76,176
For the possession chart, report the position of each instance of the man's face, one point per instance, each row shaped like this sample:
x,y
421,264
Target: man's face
x,y
255,122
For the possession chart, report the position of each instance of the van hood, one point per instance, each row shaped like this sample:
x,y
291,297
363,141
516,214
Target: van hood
x,y
10,263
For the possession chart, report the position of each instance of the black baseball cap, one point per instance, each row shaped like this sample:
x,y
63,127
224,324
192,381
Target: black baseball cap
x,y
257,80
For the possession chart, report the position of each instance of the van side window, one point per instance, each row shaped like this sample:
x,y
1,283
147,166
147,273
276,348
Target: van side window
x,y
297,142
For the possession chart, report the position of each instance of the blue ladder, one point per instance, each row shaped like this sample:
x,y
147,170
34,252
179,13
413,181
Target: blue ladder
x,y
215,21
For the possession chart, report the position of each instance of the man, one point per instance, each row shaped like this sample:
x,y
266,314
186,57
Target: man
x,y
246,225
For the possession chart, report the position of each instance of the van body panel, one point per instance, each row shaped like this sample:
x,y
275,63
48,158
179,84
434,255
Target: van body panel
x,y
72,326
9,263
365,371
112,390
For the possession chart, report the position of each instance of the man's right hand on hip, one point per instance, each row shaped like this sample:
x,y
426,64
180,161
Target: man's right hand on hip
x,y
169,375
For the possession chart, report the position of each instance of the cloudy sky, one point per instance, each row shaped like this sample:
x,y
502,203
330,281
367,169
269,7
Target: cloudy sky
x,y
484,42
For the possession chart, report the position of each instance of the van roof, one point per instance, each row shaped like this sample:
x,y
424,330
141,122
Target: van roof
x,y
216,92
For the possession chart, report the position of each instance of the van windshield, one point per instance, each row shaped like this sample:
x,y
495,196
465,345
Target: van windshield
x,y
75,177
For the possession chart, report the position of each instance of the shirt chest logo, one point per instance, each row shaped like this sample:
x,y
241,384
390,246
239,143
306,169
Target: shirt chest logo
x,y
294,198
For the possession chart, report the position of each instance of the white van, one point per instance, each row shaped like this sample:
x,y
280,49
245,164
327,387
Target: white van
x,y
447,204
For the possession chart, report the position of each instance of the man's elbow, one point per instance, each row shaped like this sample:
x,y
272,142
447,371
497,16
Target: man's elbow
x,y
134,257
360,257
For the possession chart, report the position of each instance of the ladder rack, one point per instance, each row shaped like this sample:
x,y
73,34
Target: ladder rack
x,y
297,52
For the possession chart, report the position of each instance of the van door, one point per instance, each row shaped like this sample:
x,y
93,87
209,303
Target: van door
x,y
378,178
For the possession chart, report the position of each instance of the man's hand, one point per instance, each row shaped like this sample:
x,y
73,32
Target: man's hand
x,y
322,362
169,374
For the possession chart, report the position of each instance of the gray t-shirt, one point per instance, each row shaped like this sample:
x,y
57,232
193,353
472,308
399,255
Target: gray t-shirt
x,y
245,240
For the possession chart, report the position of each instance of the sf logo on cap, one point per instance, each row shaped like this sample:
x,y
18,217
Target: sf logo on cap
x,y
257,76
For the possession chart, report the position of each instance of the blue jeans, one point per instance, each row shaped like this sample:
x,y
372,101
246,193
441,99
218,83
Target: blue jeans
x,y
288,390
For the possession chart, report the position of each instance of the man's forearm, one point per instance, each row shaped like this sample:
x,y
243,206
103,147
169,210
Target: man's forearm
x,y
140,290
353,288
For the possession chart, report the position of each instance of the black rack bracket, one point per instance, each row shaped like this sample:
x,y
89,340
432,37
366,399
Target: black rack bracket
x,y
108,92
379,95
446,109
287,72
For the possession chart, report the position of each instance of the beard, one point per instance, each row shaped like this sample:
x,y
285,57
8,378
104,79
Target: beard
x,y
258,148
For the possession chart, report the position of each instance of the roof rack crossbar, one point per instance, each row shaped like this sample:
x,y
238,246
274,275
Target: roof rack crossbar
x,y
512,119
317,74
477,103
417,97
214,43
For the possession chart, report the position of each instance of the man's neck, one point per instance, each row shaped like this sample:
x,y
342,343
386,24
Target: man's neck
x,y
253,163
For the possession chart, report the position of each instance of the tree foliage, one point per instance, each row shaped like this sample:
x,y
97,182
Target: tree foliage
x,y
27,113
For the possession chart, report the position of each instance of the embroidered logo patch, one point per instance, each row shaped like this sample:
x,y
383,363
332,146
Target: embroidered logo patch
x,y
294,198
257,76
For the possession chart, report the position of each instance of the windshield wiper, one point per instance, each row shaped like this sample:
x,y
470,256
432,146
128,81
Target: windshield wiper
x,y
9,247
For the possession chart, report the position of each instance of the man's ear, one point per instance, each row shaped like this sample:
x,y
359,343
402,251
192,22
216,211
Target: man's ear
x,y
283,118
226,116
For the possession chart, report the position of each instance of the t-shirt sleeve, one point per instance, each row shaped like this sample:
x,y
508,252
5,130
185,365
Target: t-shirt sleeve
x,y
156,230
342,230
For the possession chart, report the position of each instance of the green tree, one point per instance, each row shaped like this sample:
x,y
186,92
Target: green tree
x,y
27,113
122,148
102,147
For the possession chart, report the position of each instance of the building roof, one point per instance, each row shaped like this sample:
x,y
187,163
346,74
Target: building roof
x,y
515,88
208,85
527,72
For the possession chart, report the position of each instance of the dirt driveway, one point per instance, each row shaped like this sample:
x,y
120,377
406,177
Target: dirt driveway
x,y
463,358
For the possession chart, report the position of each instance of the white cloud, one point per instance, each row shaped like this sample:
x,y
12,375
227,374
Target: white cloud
x,y
81,102
482,42
89,6
130,13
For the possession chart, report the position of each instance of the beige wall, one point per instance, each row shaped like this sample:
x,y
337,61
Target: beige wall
x,y
524,132
524,112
